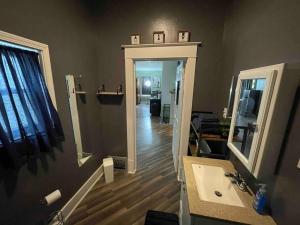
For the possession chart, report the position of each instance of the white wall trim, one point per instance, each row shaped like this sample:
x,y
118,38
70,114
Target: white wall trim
x,y
44,56
72,204
159,52
163,44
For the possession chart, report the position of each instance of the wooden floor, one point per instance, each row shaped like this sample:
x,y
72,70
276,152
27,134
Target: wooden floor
x,y
129,197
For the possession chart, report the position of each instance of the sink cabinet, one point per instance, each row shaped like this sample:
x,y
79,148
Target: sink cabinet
x,y
201,178
187,219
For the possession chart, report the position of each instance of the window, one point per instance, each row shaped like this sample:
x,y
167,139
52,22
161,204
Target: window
x,y
28,117
9,108
11,40
8,44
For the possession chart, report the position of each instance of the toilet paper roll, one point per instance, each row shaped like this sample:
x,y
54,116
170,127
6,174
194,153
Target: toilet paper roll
x,y
53,197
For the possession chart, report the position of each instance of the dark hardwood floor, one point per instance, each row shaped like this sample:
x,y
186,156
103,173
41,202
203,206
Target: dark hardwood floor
x,y
129,197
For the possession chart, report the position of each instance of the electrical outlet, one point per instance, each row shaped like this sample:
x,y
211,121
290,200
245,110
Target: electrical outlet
x,y
298,165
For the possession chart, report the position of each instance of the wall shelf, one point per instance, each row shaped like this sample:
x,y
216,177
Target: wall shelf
x,y
101,91
80,92
109,93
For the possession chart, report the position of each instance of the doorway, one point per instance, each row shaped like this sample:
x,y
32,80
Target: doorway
x,y
158,109
178,51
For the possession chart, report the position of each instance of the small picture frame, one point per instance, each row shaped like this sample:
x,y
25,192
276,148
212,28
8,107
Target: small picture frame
x,y
184,36
158,37
135,39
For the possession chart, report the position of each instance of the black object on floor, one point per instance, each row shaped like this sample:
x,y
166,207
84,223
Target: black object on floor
x,y
166,113
161,218
155,106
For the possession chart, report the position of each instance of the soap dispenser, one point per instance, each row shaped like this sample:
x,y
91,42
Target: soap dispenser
x,y
260,199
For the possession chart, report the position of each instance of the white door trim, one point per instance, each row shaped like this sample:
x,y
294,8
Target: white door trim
x,y
159,52
44,57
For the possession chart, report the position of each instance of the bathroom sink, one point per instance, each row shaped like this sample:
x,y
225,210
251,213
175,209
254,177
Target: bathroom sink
x,y
213,186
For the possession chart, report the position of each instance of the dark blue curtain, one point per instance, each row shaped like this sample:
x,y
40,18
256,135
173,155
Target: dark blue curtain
x,y
29,122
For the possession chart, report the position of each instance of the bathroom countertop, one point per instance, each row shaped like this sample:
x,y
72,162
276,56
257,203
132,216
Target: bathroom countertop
x,y
198,207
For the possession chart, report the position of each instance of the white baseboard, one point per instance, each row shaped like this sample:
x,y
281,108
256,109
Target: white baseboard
x,y
130,166
71,205
132,172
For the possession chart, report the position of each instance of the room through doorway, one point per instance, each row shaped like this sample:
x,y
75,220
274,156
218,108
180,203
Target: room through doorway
x,y
158,100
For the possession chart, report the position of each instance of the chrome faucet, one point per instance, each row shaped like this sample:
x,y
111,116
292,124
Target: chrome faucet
x,y
237,179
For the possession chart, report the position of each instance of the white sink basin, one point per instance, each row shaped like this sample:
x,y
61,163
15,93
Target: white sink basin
x,y
211,182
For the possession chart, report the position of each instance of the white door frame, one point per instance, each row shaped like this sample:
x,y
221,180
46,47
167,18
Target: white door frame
x,y
185,51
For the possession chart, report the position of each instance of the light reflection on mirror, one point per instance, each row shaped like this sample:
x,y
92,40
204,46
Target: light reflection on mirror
x,y
248,109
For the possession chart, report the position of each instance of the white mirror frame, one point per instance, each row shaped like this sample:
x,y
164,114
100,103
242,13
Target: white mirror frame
x,y
269,75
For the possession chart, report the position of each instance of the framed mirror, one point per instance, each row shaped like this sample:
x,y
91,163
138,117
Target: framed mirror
x,y
262,104
252,97
74,89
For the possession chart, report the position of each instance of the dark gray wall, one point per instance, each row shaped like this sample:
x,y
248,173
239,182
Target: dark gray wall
x,y
68,30
84,37
87,42
117,20
286,197
259,33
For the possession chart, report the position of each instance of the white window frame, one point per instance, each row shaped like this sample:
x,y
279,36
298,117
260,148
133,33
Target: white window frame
x,y
43,50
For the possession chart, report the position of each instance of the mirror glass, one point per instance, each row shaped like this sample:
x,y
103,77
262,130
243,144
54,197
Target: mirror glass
x,y
75,92
247,113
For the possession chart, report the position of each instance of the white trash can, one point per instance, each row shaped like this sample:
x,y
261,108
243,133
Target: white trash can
x,y
108,165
